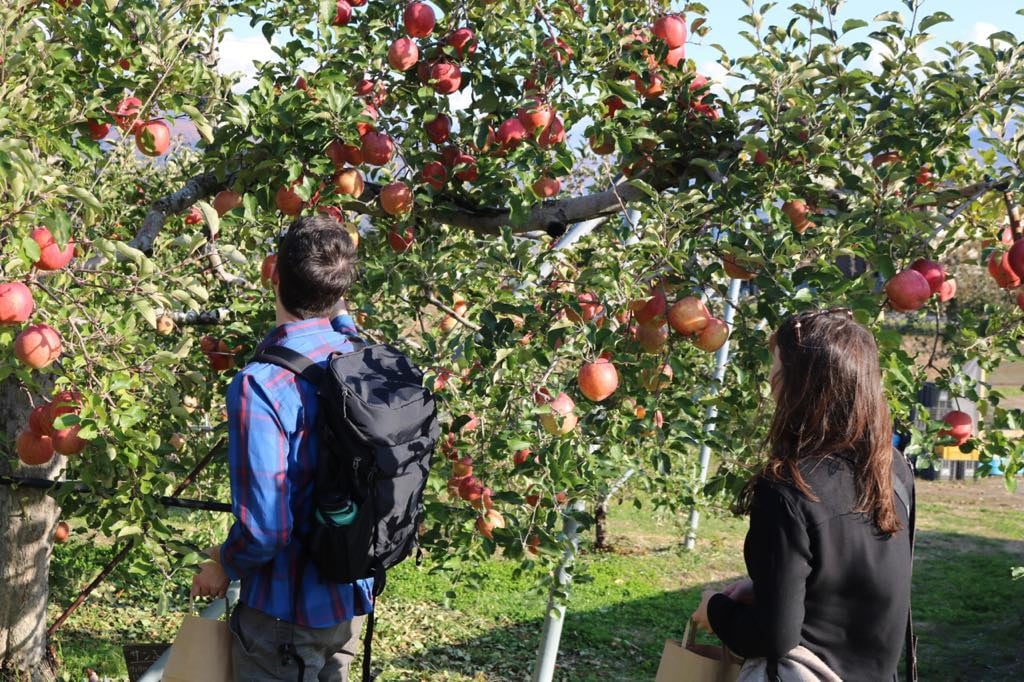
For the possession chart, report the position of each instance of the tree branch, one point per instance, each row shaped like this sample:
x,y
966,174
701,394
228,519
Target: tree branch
x,y
199,187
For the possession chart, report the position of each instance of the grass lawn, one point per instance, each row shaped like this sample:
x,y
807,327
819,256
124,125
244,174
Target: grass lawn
x,y
968,611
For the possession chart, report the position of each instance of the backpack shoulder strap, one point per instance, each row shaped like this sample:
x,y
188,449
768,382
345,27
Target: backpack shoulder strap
x,y
296,362
910,504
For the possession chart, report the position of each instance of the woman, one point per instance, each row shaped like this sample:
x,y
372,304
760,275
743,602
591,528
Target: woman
x,y
828,551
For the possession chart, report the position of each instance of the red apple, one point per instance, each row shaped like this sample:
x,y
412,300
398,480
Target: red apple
x,y
671,29
734,270
51,256
598,380
761,157
61,533
403,54
546,188
462,467
194,216
363,127
947,292
153,138
558,49
434,174
418,19
553,134
438,128
466,165
470,489
713,336
226,200
287,201
1002,273
613,103
67,442
16,304
349,181
463,40
796,211
535,116
488,522
884,158
908,290
1015,258
932,271
37,346
675,56
651,87
97,129
445,77
377,148
602,146
34,450
961,426
653,310
40,421
267,269
127,112
562,418
510,133
401,242
341,154
652,337
520,457
342,13
688,315
396,198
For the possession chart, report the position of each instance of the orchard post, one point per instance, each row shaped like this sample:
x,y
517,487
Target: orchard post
x,y
721,362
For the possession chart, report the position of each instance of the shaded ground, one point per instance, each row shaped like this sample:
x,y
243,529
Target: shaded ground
x,y
968,611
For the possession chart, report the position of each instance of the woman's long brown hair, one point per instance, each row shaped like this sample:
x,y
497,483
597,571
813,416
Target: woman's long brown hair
x,y
830,402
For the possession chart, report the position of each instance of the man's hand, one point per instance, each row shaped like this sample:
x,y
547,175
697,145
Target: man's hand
x,y
741,591
700,616
210,581
340,308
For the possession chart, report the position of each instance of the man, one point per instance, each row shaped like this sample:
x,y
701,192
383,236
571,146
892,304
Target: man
x,y
289,624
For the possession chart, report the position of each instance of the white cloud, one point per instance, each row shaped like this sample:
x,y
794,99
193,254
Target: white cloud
x,y
716,73
981,31
240,54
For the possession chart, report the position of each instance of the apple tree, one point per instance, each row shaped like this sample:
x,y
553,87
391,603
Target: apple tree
x,y
835,165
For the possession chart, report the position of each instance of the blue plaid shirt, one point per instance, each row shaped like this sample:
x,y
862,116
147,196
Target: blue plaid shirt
x,y
272,455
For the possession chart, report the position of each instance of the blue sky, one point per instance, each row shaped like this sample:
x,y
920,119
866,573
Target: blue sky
x,y
973,20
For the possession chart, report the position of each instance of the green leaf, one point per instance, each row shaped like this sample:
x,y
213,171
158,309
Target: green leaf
x,y
211,217
86,197
143,306
854,24
30,248
934,19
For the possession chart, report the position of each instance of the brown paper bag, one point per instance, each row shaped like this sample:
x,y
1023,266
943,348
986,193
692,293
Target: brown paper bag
x,y
687,661
201,652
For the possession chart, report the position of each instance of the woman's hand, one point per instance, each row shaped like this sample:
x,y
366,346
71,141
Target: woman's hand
x,y
741,591
700,616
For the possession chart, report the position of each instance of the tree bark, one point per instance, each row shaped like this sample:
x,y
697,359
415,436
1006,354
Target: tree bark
x,y
601,526
27,522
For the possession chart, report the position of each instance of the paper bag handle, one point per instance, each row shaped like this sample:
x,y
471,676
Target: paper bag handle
x,y
227,606
690,638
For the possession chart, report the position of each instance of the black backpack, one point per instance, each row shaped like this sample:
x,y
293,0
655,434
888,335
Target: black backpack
x,y
378,428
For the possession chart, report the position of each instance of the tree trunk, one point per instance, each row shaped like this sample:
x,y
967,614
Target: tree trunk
x,y
27,521
601,525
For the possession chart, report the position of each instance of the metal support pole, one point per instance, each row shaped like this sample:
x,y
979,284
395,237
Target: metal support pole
x,y
721,362
214,611
551,635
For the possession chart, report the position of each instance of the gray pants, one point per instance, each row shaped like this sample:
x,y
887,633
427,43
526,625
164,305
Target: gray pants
x,y
256,648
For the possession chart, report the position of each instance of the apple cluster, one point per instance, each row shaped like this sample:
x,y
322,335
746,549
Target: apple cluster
x,y
152,137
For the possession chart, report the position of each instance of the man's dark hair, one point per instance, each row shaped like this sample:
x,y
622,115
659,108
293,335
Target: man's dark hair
x,y
316,264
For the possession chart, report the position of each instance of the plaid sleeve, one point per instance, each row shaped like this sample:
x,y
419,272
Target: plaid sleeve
x,y
258,460
344,324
